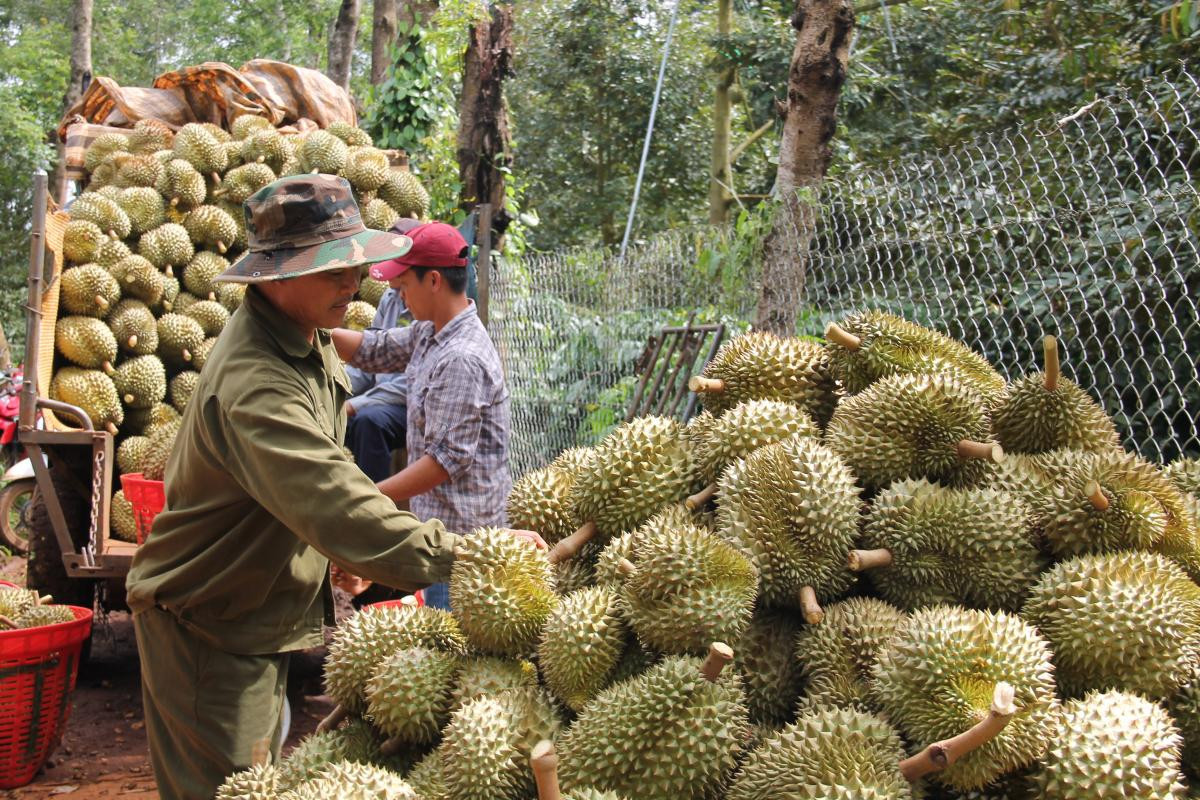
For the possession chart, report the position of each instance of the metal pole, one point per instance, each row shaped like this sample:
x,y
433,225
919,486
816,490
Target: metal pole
x,y
33,307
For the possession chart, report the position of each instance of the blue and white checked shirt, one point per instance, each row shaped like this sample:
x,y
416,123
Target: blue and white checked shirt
x,y
368,388
457,412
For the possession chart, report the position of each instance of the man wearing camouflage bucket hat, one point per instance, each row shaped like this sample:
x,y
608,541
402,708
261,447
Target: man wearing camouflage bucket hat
x,y
261,497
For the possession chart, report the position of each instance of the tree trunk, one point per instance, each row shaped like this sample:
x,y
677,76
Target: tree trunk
x,y
719,196
483,136
341,43
815,79
77,83
383,36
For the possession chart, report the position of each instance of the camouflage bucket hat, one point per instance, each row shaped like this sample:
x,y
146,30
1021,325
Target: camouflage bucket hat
x,y
304,224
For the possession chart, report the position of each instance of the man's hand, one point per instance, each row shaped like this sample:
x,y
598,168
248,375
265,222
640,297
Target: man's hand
x,y
349,409
530,536
351,584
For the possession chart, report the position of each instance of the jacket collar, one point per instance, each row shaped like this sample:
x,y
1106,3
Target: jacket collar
x,y
461,320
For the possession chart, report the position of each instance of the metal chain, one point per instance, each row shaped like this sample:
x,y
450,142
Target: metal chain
x,y
89,550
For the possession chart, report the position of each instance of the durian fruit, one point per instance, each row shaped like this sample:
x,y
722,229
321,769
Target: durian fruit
x,y
1185,474
168,246
766,661
936,678
142,171
92,391
182,387
350,780
198,275
489,675
121,519
794,507
143,421
872,345
141,381
486,745
352,135
133,324
231,295
425,777
103,213
685,588
150,136
256,783
502,591
827,753
269,148
244,181
200,357
178,337
14,601
366,168
211,315
740,431
378,215
182,186
112,252
237,213
410,693
211,227
365,639
1045,411
200,146
837,657
1112,744
139,279
915,426
86,342
89,290
104,145
541,501
1127,621
246,125
761,366
354,741
37,616
924,544
359,315
158,451
322,152
371,290
130,452
637,470
1184,706
670,733
582,642
82,240
404,193
144,207
577,572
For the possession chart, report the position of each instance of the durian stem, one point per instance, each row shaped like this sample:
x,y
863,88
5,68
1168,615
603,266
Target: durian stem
x,y
107,368
839,335
170,273
565,548
391,746
991,451
133,340
212,295
1096,495
701,384
940,755
187,354
544,761
110,427
101,303
626,567
174,202
45,600
860,560
221,247
112,234
128,399
813,613
6,622
333,720
719,654
1050,348
216,178
701,497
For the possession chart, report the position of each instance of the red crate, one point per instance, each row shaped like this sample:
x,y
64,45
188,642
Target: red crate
x,y
147,498
37,674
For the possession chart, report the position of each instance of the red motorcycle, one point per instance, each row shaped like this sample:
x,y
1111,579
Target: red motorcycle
x,y
18,481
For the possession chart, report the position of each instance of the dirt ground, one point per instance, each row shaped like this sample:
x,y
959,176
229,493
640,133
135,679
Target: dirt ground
x,y
103,752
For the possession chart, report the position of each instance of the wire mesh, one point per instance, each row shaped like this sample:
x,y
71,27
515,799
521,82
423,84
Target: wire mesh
x,y
1087,227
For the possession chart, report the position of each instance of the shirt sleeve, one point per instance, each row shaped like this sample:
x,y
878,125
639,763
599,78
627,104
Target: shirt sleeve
x,y
454,404
359,381
391,391
281,455
386,351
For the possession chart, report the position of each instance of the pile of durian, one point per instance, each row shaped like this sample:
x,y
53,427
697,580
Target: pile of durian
x,y
160,218
922,582
25,608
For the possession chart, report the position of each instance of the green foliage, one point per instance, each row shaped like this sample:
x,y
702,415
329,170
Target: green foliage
x,y
411,99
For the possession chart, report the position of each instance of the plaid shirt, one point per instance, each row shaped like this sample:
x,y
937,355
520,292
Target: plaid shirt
x,y
457,413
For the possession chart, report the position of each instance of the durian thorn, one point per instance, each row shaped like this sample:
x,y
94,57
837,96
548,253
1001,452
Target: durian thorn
x,y
333,720
701,497
128,399
990,451
7,623
940,755
703,385
813,613
391,746
133,340
544,762
839,335
111,427
571,545
626,567
221,247
1096,495
860,560
719,654
1050,348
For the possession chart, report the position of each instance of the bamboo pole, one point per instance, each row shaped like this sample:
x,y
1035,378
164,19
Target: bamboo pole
x,y
939,755
568,547
860,560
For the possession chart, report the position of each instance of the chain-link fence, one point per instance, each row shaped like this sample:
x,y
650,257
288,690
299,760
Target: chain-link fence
x,y
1086,227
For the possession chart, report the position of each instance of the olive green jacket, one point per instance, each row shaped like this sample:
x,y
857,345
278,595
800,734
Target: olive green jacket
x,y
260,495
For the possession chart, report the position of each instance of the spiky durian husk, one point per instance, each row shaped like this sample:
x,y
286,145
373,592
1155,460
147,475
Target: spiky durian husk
x,y
761,366
667,734
352,135
256,783
403,192
103,212
637,470
269,148
425,777
894,346
502,591
201,147
122,522
746,427
141,381
1185,474
1112,744
82,240
485,747
91,390
909,426
607,569
89,290
968,546
14,601
1184,706
1126,621
488,675
688,589
831,753
366,168
242,182
248,124
86,342
1034,419
936,676
837,657
361,642
322,152
349,780
541,501
794,507
359,315
168,245
582,641
102,147
764,655
354,741
410,693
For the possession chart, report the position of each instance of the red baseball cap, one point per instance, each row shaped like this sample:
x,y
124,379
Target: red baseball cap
x,y
434,244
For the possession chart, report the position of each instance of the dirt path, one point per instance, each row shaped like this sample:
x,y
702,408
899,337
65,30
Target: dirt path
x,y
103,752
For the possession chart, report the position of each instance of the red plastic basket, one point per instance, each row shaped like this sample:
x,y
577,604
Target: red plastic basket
x,y
418,596
37,674
147,497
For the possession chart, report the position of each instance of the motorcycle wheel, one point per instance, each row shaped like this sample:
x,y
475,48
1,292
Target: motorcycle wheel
x,y
15,500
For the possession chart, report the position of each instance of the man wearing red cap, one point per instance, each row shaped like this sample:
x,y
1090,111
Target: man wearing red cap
x,y
458,408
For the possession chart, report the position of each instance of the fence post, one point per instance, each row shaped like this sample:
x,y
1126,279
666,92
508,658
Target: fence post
x,y
483,260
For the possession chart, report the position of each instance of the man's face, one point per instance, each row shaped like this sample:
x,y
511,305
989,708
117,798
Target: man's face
x,y
318,300
419,295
